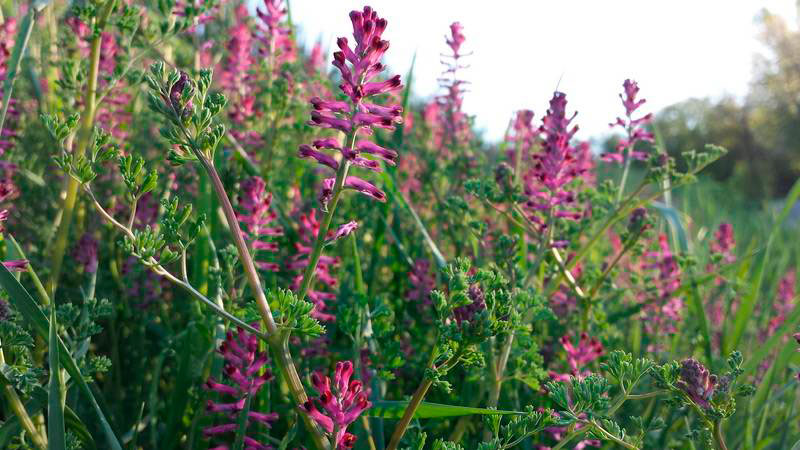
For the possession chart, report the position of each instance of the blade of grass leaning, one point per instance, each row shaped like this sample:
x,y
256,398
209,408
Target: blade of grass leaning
x,y
56,438
395,194
394,410
30,311
20,45
745,312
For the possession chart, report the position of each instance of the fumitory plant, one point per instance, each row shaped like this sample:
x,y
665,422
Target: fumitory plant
x,y
183,265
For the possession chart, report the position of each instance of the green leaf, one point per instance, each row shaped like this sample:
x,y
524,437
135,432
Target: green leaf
x,y
56,435
30,311
394,410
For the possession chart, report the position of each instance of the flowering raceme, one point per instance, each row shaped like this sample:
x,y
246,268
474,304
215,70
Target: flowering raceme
x,y
358,66
341,404
634,127
243,362
554,167
257,216
663,312
447,119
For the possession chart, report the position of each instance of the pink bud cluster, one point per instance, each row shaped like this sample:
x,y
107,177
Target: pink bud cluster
x,y
547,182
634,127
467,313
357,66
663,313
578,357
341,403
257,216
697,382
246,369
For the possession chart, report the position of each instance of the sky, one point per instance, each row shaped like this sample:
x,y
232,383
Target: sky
x,y
522,50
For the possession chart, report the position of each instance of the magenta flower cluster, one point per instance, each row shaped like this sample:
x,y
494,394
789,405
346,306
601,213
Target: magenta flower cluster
x,y
634,127
341,403
256,215
358,66
555,167
663,313
246,368
578,357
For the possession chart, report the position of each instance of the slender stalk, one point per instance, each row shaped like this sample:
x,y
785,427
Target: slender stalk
x,y
499,370
319,242
84,139
277,340
719,439
401,427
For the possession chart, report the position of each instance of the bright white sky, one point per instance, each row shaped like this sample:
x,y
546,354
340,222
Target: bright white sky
x,y
521,49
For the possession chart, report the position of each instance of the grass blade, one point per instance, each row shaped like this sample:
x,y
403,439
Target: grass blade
x,y
394,410
745,312
55,410
27,307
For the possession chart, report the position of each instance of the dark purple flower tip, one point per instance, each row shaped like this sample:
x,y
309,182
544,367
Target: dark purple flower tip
x,y
306,151
697,381
176,94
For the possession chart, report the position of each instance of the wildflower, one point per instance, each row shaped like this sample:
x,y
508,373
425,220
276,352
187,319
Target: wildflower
x,y
554,167
257,216
578,357
341,403
277,41
243,363
697,382
358,66
236,77
634,127
523,138
85,253
16,265
663,312
454,127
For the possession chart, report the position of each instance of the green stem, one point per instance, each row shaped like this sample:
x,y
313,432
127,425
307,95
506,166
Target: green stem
x,y
84,139
719,439
401,427
319,242
277,340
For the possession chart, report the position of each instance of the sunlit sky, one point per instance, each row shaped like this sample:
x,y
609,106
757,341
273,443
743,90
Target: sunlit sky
x,y
522,50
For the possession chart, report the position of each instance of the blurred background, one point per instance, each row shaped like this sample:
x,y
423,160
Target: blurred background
x,y
725,72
